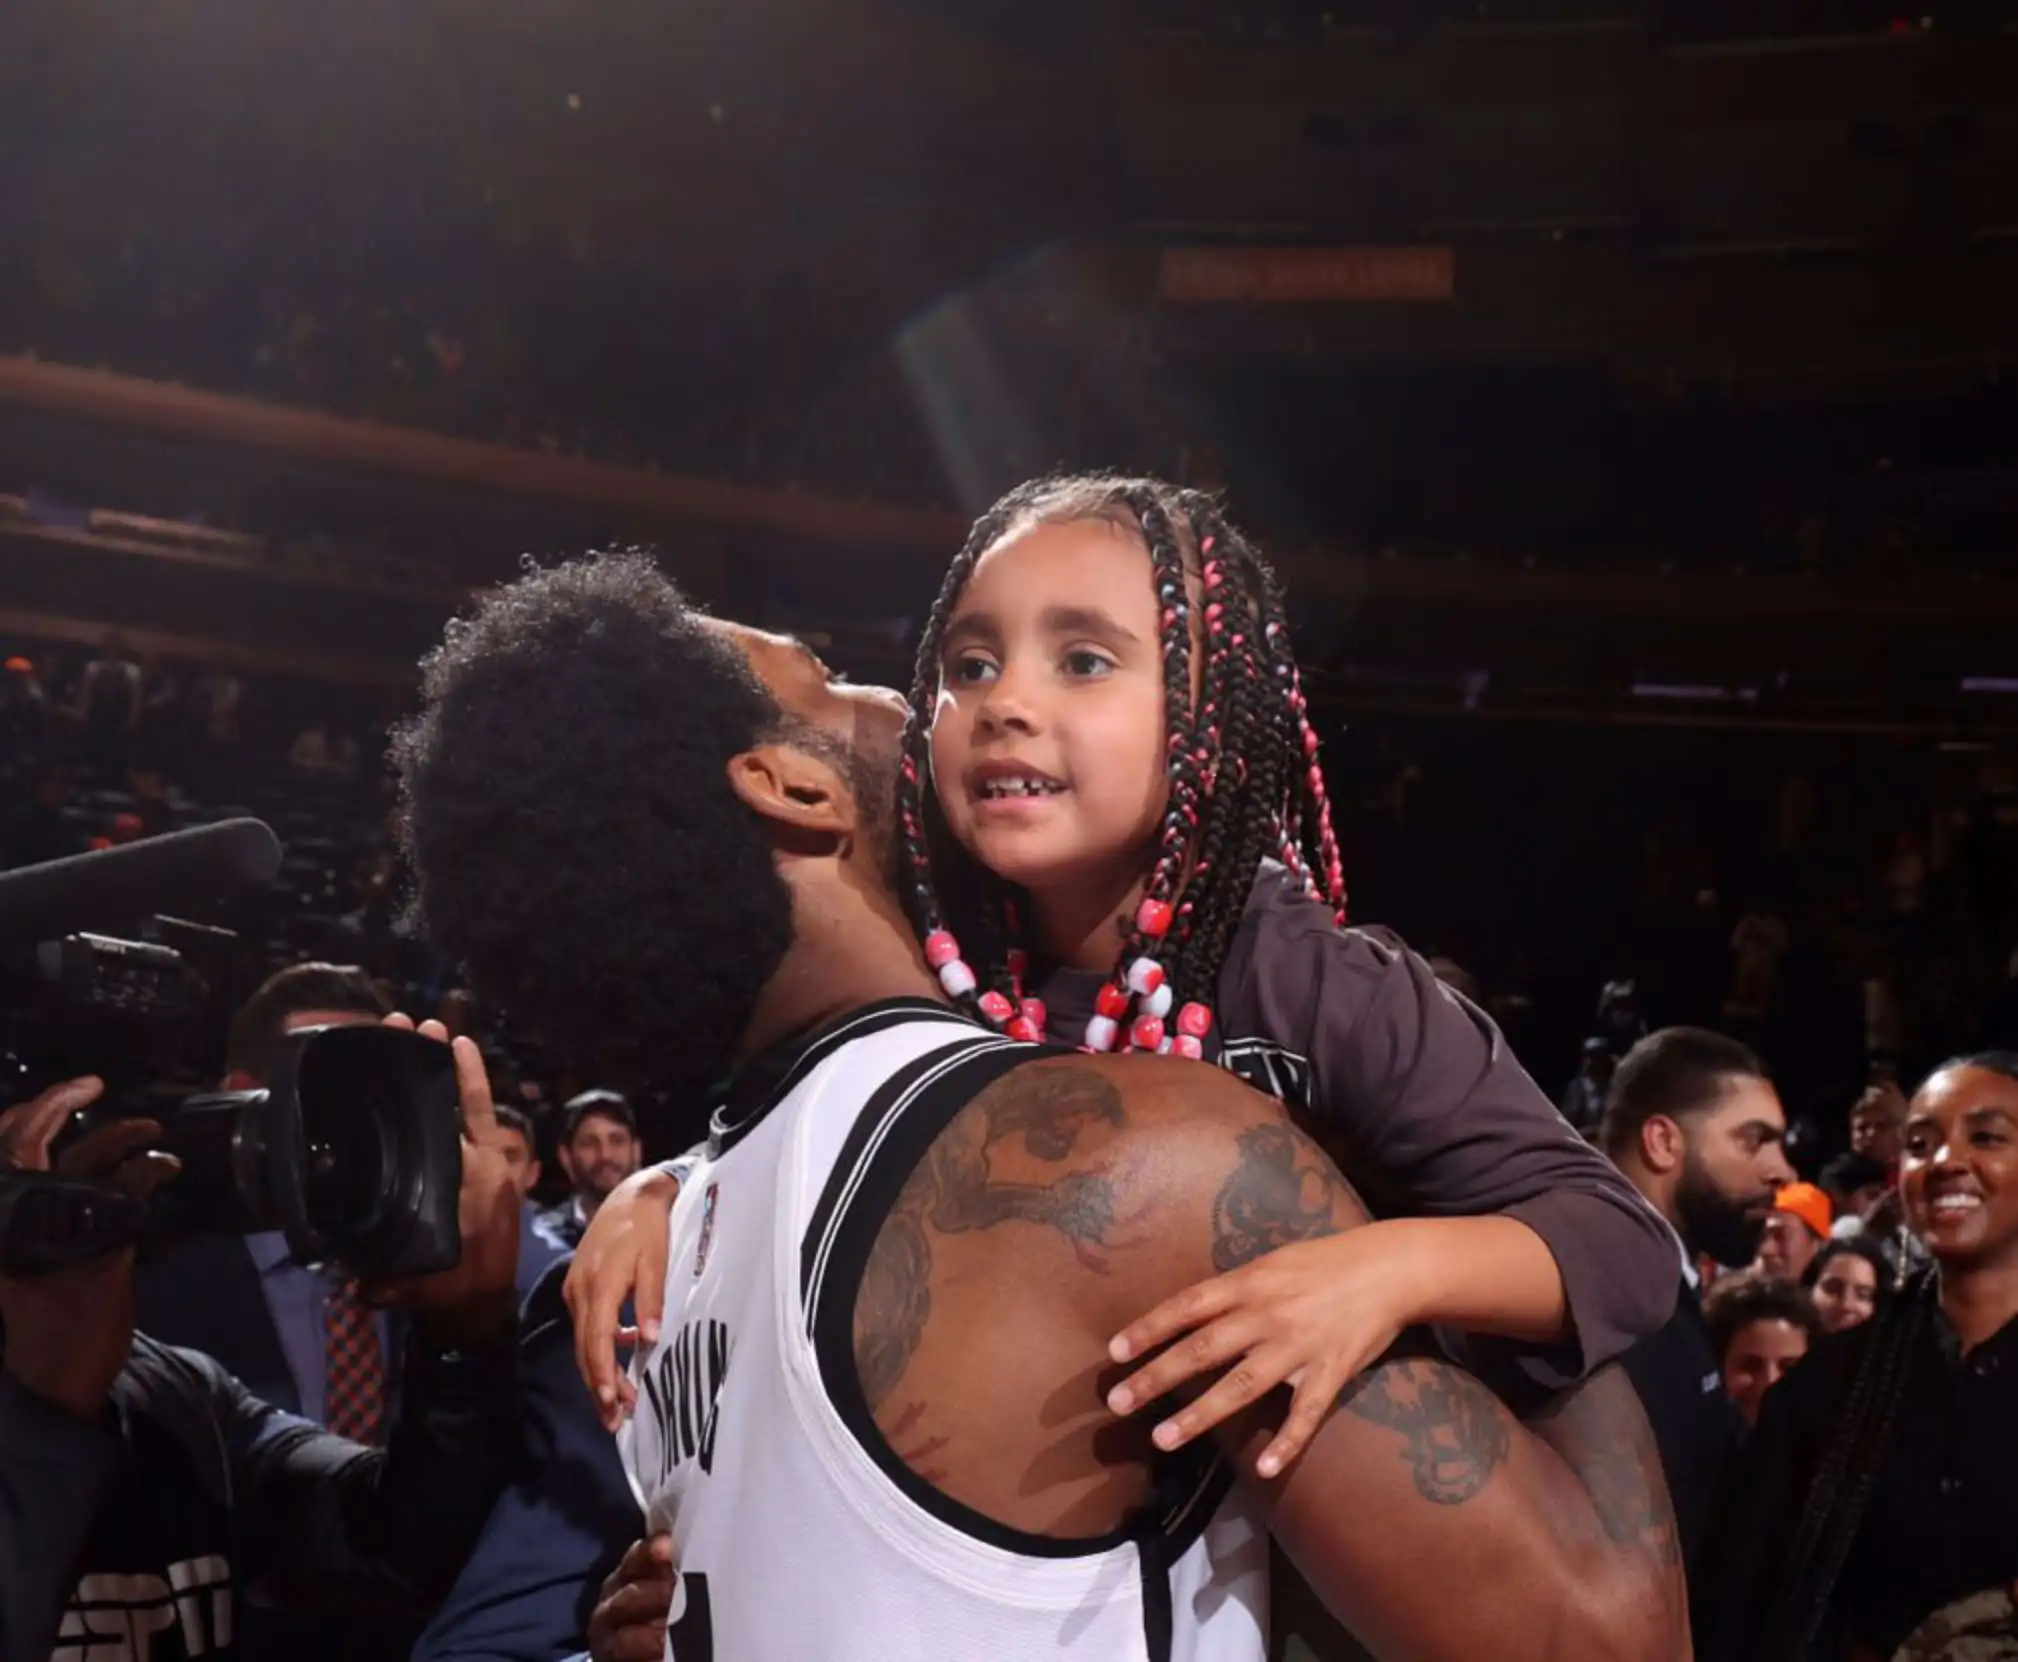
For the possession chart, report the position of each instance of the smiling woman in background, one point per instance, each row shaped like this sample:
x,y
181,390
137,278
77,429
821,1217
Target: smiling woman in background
x,y
1882,1490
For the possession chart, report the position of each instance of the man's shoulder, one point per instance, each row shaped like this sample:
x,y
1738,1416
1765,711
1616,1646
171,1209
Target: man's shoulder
x,y
1125,1109
1211,1172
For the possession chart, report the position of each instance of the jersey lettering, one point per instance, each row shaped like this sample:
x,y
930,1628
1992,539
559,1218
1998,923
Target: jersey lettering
x,y
683,1389
116,1618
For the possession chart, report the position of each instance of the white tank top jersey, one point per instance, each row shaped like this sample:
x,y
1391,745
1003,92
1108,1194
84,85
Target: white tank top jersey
x,y
799,1535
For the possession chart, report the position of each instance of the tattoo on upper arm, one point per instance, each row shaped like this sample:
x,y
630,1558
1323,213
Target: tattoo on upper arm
x,y
953,1190
1453,1430
1281,1191
1601,1432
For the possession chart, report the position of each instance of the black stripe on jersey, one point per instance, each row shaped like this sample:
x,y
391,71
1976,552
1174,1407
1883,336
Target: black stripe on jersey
x,y
885,1146
760,1085
872,1125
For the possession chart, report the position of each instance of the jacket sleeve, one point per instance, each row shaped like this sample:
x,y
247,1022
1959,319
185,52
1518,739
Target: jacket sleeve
x,y
326,1520
55,1472
1427,1108
532,1582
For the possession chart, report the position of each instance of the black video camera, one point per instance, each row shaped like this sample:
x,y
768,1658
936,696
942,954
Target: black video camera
x,y
352,1147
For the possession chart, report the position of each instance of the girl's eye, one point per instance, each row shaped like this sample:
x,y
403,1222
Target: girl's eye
x,y
1086,662
970,672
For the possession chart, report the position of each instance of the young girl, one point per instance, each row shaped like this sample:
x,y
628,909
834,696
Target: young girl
x,y
1116,834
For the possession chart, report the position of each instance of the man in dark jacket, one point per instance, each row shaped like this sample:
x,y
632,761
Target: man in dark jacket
x,y
1698,1129
147,1498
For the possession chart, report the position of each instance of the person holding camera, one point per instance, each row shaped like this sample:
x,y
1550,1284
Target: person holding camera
x,y
148,1500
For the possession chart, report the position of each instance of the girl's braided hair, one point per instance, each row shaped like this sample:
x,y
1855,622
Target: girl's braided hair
x,y
1244,777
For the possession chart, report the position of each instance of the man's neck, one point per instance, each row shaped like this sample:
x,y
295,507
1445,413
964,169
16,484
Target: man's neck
x,y
1979,1301
850,949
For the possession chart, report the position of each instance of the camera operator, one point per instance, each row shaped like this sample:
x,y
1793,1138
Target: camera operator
x,y
291,1334
145,1493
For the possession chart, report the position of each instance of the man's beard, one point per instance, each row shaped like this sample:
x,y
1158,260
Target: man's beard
x,y
872,782
1728,1230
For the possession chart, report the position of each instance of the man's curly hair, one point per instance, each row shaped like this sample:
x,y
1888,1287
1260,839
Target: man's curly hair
x,y
568,816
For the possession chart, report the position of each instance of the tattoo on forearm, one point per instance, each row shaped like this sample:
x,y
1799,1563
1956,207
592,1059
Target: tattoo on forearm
x,y
1281,1191
1601,1433
1049,1111
1453,1430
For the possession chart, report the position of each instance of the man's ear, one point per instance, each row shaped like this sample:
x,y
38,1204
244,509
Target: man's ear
x,y
802,797
1662,1144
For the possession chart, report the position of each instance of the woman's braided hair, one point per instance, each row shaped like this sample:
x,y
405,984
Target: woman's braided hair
x,y
1841,1490
1244,778
1855,1453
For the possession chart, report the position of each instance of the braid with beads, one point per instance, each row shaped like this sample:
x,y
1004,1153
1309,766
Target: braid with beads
x,y
1242,764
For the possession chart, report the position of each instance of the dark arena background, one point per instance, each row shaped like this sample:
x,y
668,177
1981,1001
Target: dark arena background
x,y
1627,395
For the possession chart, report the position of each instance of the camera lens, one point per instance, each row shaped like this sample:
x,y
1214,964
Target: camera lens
x,y
376,1161
347,1168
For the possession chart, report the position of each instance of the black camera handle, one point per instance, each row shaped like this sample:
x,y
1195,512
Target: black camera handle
x,y
49,1222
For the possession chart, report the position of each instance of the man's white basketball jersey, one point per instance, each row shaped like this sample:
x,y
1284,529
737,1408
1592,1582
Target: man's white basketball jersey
x,y
799,1535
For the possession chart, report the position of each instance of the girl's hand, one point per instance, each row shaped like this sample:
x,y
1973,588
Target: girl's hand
x,y
1312,1315
622,1256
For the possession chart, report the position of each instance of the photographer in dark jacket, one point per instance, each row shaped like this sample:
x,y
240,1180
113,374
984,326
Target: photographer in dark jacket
x,y
144,1493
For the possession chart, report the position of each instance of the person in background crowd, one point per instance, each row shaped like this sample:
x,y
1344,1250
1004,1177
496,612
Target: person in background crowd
x,y
1854,1183
277,1325
24,717
1876,1122
1880,1503
1800,1224
1696,1128
1583,1103
599,1148
1847,1282
109,703
539,1244
1761,1327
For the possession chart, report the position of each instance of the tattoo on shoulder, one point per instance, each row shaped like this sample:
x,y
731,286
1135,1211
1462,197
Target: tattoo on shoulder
x,y
1453,1430
1281,1191
1050,1113
1602,1434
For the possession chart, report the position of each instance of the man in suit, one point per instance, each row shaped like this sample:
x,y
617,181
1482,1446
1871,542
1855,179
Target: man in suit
x,y
273,1322
1698,1129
